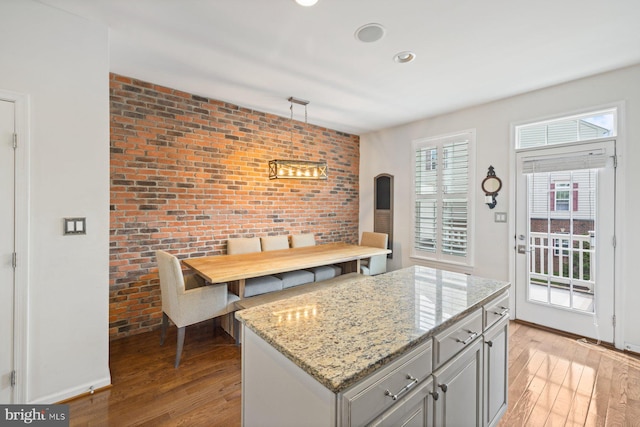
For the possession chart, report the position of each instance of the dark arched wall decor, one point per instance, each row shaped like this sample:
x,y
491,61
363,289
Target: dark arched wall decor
x,y
383,207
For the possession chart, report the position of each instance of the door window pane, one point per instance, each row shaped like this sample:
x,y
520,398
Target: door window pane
x,y
562,224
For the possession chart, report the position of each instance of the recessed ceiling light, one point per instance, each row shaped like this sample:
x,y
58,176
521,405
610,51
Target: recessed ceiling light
x,y
404,57
370,33
306,2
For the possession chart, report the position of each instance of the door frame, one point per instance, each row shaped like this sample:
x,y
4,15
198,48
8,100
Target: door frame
x,y
20,345
619,208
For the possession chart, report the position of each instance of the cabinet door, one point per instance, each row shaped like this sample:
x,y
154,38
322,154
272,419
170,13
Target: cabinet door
x,y
496,362
460,386
415,410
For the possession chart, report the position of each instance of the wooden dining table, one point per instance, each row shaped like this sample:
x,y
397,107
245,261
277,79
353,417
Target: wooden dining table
x,y
235,269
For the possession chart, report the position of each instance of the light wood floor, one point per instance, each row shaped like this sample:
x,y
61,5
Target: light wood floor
x,y
560,381
553,381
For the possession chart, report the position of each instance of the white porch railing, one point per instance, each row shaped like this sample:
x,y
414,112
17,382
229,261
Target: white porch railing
x,y
562,260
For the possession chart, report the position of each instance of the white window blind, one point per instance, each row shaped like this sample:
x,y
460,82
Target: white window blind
x,y
590,159
442,175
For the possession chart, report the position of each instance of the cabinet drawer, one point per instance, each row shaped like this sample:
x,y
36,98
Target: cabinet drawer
x,y
456,337
496,310
381,391
414,410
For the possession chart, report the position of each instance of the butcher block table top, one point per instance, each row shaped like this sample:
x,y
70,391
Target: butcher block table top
x,y
226,268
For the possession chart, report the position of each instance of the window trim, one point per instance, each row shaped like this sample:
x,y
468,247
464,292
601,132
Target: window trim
x,y
438,257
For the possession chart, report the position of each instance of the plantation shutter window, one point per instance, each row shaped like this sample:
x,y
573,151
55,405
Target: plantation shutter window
x,y
426,184
442,201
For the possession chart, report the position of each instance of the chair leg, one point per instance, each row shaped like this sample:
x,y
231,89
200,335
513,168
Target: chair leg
x,y
180,345
163,328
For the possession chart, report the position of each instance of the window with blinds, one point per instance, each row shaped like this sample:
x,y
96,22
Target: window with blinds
x,y
442,200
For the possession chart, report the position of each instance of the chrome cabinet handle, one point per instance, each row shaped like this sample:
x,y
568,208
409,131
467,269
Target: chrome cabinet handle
x,y
443,387
469,339
504,311
404,389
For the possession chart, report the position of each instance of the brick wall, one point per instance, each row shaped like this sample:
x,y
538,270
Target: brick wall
x,y
188,172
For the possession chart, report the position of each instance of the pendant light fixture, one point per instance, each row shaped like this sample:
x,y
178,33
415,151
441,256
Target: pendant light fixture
x,y
297,169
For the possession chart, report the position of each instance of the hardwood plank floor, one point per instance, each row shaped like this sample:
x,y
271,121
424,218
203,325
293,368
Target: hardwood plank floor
x,y
148,391
554,380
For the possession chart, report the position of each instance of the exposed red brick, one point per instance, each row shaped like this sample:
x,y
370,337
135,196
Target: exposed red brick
x,y
189,172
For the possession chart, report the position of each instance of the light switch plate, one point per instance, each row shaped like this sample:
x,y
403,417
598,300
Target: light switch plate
x,y
75,226
500,217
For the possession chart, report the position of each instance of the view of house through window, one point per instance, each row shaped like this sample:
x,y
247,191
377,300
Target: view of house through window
x,y
589,126
442,200
562,219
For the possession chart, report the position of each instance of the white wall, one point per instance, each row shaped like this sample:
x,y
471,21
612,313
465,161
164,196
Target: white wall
x,y
389,151
61,63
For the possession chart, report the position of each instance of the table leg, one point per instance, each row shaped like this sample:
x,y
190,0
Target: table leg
x,y
241,284
351,266
237,287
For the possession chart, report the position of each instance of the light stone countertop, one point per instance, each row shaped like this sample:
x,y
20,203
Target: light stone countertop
x,y
342,334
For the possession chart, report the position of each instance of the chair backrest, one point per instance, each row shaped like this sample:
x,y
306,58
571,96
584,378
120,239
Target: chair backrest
x,y
243,245
272,243
375,240
301,240
171,281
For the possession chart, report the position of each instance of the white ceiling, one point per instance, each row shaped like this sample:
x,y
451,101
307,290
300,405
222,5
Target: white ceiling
x,y
258,53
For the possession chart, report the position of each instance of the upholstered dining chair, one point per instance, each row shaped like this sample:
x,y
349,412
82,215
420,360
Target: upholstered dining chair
x,y
255,285
289,278
185,305
376,264
323,272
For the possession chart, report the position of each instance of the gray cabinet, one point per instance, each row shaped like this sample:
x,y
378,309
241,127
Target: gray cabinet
x,y
459,384
456,338
467,388
496,362
387,388
415,410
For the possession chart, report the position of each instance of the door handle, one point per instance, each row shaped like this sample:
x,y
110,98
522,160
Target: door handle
x,y
522,249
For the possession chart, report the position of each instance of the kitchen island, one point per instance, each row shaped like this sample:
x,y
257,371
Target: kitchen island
x,y
381,350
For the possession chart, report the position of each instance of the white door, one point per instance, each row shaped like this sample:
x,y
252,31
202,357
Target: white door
x,y
7,244
565,238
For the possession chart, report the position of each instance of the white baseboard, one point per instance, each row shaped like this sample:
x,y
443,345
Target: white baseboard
x,y
81,389
632,347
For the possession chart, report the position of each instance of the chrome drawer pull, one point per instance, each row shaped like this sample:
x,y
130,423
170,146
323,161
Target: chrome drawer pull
x,y
406,388
468,340
505,310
